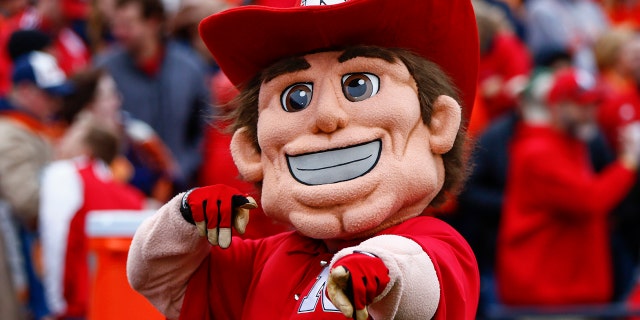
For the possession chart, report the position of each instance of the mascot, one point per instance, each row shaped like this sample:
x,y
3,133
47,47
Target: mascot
x,y
351,122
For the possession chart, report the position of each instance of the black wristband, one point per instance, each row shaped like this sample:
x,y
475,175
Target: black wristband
x,y
185,209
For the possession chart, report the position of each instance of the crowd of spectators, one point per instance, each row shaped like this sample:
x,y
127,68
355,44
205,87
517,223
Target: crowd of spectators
x,y
112,104
551,205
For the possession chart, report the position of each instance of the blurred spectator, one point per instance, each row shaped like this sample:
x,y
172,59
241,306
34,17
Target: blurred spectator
x,y
46,16
514,13
553,245
70,190
623,12
16,44
16,14
96,98
185,25
480,203
38,85
69,47
76,13
618,55
481,200
24,41
35,96
504,64
161,83
143,161
98,29
564,26
10,281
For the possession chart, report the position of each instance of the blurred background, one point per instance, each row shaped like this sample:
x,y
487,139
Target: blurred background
x,y
109,108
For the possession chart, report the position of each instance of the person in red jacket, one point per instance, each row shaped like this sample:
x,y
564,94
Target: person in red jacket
x,y
505,63
553,244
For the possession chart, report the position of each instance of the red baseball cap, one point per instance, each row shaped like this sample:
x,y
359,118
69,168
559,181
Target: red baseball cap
x,y
246,39
571,84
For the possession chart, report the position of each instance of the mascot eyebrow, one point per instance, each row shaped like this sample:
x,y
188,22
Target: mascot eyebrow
x,y
299,63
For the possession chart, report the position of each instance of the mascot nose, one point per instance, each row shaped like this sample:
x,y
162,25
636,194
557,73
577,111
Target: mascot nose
x,y
330,114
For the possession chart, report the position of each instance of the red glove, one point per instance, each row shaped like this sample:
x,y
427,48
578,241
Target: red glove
x,y
355,281
214,208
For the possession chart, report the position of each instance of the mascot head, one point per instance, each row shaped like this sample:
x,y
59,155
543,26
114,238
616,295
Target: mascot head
x,y
350,112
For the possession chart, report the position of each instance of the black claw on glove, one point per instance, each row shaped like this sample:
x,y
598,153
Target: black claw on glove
x,y
231,209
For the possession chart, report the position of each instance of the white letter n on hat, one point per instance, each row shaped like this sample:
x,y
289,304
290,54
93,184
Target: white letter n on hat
x,y
320,2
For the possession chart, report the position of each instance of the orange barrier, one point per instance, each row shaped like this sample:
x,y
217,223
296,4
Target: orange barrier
x,y
110,234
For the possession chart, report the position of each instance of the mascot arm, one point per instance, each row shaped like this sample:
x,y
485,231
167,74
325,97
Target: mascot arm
x,y
165,252
413,291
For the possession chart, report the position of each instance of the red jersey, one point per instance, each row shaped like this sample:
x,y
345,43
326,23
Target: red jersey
x,y
553,245
63,226
284,276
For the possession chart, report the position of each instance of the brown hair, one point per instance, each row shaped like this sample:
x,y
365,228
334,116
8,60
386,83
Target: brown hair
x,y
609,45
430,79
85,84
102,143
149,9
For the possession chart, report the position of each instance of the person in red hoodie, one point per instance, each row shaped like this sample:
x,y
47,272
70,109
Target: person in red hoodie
x,y
553,244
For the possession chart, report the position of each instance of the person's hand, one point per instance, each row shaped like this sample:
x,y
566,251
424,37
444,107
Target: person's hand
x,y
213,209
355,281
630,145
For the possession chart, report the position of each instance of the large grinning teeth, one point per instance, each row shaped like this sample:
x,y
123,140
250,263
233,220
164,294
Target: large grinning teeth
x,y
335,165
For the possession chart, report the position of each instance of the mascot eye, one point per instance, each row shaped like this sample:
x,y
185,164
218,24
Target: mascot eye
x,y
296,97
360,86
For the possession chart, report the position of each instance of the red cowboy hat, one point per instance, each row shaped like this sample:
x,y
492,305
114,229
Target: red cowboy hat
x,y
246,39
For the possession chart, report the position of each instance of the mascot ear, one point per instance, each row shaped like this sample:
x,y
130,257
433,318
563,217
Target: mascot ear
x,y
445,122
246,156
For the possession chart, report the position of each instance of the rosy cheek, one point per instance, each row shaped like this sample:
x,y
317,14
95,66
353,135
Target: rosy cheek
x,y
273,130
399,119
